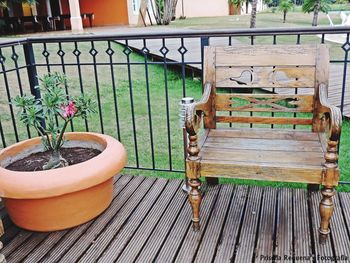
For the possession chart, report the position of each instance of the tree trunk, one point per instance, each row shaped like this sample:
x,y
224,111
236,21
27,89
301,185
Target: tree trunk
x,y
173,11
284,16
168,12
246,6
316,11
253,14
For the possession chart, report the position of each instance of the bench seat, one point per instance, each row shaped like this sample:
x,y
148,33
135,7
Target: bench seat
x,y
274,155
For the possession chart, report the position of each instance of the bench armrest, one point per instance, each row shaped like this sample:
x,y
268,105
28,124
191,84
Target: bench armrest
x,y
195,111
330,113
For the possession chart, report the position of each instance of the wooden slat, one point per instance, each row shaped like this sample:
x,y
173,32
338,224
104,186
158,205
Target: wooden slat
x,y
226,246
322,250
192,239
265,77
246,242
262,171
17,241
302,238
99,237
263,102
166,223
81,237
207,248
261,156
123,244
262,133
264,120
264,247
263,144
339,230
284,226
264,55
55,237
26,248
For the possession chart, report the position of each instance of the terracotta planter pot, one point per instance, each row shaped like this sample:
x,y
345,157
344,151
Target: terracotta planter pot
x,y
65,197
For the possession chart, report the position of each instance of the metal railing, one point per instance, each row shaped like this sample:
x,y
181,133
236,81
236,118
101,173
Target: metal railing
x,y
138,80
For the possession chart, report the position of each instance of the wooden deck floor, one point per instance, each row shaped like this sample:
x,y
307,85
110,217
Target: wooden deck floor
x,y
149,221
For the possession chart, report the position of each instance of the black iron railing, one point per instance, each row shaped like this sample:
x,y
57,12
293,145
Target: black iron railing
x,y
138,80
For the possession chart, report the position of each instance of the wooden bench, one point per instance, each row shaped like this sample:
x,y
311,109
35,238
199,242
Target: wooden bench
x,y
285,153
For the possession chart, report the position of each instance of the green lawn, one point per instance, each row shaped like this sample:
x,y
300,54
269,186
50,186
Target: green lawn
x,y
163,89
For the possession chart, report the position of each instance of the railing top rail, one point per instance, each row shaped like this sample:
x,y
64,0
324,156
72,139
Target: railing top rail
x,y
186,34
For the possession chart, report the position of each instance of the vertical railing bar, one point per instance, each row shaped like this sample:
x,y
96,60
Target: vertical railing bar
x,y
76,47
97,87
115,100
65,85
230,40
252,43
274,42
149,104
32,74
132,104
344,75
183,73
322,38
8,93
296,89
47,58
167,102
2,135
19,82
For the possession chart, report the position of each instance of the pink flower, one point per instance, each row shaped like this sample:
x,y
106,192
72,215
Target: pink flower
x,y
69,110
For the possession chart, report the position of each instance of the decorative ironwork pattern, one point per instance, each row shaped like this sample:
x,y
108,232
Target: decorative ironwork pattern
x,y
102,65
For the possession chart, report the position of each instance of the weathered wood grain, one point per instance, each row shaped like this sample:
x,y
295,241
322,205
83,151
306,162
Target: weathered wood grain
x,y
264,55
264,120
265,77
263,102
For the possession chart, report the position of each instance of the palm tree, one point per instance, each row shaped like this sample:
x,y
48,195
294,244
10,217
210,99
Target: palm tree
x,y
285,6
316,6
253,14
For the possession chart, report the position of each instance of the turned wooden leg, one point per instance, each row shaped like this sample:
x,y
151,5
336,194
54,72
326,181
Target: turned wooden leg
x,y
195,198
326,209
212,180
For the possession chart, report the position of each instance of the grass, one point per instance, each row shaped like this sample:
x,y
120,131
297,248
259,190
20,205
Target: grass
x,y
165,89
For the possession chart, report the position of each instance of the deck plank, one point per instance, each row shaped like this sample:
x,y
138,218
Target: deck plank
x,y
245,246
100,233
166,223
226,246
138,228
70,241
284,226
265,245
181,236
339,229
192,240
58,236
302,238
207,248
322,250
149,220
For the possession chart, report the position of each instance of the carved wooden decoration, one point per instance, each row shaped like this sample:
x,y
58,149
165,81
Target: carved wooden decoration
x,y
308,156
265,77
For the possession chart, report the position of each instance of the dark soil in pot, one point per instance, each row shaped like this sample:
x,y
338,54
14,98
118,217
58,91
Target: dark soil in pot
x,y
35,161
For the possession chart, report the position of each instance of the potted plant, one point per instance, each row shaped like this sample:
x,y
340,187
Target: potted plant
x,y
59,179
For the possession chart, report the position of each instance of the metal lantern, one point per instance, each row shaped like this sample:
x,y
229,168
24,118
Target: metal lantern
x,y
183,106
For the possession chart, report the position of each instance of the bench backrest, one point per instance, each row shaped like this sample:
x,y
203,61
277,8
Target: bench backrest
x,y
287,77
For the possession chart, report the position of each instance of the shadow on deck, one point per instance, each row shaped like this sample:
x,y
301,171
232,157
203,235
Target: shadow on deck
x,y
149,221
